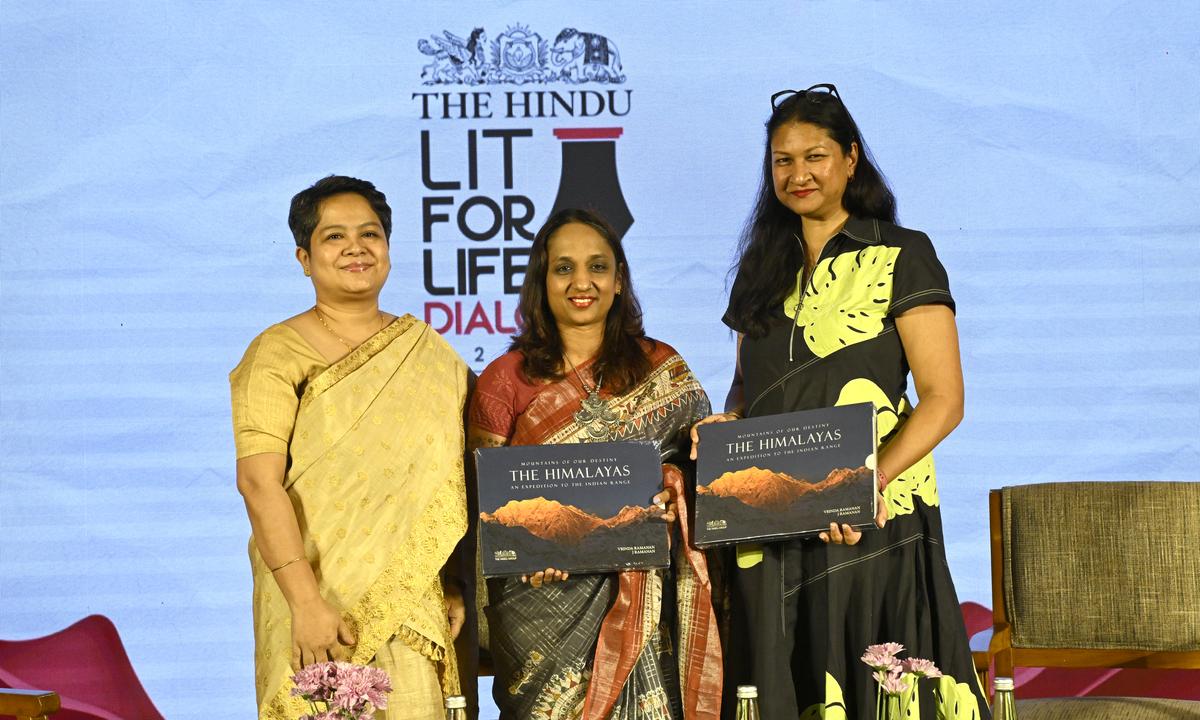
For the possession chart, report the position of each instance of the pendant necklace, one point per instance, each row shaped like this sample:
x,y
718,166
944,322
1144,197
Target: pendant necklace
x,y
339,337
594,415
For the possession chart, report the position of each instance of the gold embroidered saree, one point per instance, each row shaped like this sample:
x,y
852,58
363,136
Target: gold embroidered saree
x,y
376,479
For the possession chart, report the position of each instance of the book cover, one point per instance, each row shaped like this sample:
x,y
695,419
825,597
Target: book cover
x,y
778,476
579,508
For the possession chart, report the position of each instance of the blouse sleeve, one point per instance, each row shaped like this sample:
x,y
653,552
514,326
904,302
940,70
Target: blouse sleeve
x,y
919,278
494,404
265,398
728,318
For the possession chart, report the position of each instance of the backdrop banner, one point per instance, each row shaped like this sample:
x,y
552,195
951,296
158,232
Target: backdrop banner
x,y
149,151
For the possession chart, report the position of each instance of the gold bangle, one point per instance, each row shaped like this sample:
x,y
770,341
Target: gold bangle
x,y
289,562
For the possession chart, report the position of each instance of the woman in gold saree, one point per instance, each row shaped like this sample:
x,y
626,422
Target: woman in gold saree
x,y
353,487
634,644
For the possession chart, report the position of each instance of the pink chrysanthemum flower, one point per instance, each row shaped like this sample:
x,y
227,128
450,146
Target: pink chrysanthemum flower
x,y
879,661
892,683
920,668
353,686
347,691
315,682
882,657
889,648
378,685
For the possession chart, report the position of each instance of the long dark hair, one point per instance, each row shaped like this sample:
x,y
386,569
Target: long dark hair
x,y
622,362
768,254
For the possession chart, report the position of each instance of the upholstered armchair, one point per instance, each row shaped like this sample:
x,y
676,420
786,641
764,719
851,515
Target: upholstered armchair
x,y
1097,574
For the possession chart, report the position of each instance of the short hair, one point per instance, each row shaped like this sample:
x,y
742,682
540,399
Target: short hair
x,y
306,206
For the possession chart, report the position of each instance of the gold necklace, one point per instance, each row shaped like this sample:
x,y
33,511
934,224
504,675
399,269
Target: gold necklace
x,y
339,337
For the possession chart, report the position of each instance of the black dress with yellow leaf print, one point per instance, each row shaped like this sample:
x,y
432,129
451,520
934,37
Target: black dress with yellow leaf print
x,y
803,612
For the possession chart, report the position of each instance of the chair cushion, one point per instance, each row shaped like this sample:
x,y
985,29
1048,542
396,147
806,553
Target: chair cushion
x,y
1108,708
1102,565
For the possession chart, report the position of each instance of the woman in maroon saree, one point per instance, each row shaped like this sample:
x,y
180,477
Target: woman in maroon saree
x,y
634,644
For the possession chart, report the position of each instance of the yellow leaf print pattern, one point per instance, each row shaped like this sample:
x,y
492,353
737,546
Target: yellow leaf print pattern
x,y
917,481
952,701
955,701
834,707
846,300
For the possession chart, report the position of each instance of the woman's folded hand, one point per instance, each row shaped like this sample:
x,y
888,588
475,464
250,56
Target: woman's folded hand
x,y
456,610
542,577
319,633
665,501
719,417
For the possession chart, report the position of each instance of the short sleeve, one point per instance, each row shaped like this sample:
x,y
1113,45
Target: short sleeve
x,y
264,390
739,282
919,278
494,403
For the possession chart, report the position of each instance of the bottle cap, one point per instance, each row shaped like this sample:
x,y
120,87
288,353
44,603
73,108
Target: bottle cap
x,y
456,702
1004,683
747,691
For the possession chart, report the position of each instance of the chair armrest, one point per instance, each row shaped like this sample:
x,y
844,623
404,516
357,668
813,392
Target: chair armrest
x,y
28,704
980,640
982,659
982,662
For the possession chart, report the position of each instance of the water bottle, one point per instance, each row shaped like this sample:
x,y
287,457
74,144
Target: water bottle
x,y
456,707
747,702
1004,706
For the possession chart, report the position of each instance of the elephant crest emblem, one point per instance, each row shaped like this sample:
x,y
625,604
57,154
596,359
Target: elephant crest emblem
x,y
582,57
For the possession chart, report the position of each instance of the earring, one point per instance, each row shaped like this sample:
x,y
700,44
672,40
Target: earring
x,y
307,272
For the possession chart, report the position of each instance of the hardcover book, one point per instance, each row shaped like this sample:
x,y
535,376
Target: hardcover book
x,y
579,508
778,476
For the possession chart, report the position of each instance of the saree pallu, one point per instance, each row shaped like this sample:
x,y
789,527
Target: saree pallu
x,y
634,644
376,481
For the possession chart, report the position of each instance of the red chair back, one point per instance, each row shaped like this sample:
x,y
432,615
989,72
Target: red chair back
x,y
86,665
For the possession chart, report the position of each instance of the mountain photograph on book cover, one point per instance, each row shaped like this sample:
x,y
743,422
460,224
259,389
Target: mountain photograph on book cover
x,y
774,501
577,507
785,475
771,490
570,536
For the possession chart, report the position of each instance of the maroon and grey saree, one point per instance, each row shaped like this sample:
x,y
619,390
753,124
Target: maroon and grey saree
x,y
636,644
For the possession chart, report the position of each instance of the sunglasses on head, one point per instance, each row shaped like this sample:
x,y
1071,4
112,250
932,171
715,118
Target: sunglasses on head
x,y
816,93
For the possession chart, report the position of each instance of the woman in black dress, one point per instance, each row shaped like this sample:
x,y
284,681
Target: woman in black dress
x,y
833,304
